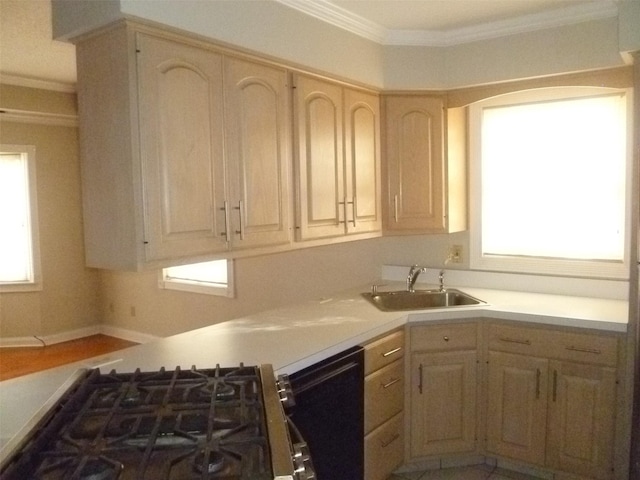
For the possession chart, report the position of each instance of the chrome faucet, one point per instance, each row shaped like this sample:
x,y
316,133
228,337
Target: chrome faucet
x,y
414,271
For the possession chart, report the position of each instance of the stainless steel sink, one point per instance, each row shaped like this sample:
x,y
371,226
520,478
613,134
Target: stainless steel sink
x,y
420,299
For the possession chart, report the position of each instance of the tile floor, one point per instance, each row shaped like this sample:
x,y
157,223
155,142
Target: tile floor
x,y
476,472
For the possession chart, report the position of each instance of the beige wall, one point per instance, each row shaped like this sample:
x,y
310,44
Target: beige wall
x,y
69,298
261,283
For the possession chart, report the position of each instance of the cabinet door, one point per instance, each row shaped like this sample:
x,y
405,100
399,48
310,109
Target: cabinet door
x,y
443,403
257,153
415,179
362,209
180,109
581,419
320,165
517,406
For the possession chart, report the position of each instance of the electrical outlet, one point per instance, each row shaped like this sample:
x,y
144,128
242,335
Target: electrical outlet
x,y
455,253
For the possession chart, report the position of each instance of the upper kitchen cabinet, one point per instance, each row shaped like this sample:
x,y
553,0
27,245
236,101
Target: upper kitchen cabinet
x,y
338,159
257,153
184,150
425,165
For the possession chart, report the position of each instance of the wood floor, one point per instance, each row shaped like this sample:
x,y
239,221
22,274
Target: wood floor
x,y
15,362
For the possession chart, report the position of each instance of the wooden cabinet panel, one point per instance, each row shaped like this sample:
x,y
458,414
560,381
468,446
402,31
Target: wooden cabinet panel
x,y
599,349
383,405
517,407
338,159
415,168
383,351
384,449
181,148
443,403
257,153
383,394
320,157
362,162
424,185
581,419
185,150
455,336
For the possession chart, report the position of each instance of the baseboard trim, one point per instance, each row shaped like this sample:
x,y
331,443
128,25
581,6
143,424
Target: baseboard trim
x,y
44,340
125,334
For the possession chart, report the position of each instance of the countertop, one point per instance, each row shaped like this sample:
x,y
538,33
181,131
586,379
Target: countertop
x,y
299,335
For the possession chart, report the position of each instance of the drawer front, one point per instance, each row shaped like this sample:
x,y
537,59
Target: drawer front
x,y
384,351
598,349
383,394
437,338
384,449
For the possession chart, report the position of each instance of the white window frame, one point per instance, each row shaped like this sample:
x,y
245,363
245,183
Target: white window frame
x,y
166,281
34,280
540,265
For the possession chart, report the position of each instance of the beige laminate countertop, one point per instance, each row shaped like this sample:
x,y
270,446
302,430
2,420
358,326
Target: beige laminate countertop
x,y
299,335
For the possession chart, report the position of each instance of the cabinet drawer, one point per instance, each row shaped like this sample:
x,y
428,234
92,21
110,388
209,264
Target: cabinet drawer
x,y
591,348
384,351
457,336
383,394
384,449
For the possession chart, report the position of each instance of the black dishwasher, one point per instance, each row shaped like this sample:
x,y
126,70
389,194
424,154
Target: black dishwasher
x,y
329,412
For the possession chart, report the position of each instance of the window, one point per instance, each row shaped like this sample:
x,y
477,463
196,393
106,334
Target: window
x,y
19,246
550,180
212,278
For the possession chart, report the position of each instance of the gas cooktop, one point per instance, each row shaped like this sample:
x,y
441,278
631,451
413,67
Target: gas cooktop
x,y
177,424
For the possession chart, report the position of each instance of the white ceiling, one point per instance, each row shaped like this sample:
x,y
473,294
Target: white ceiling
x,y
27,49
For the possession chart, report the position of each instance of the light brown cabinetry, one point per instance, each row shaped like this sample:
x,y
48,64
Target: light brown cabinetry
x,y
424,173
184,149
552,398
338,159
384,403
444,380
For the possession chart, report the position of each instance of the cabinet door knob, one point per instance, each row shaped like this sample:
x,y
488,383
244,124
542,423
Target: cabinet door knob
x,y
446,338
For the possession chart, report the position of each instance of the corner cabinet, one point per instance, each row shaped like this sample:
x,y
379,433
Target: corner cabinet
x,y
425,165
184,149
552,398
444,383
337,136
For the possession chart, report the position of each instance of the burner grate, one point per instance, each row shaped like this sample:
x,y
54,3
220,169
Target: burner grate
x,y
179,424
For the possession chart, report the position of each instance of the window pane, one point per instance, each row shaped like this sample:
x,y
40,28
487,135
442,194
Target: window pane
x,y
15,241
553,179
207,272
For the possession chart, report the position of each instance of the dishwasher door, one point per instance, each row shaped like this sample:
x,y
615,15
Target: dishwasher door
x,y
329,412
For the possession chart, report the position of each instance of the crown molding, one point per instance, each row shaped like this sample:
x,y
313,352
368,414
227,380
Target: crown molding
x,y
328,12
20,81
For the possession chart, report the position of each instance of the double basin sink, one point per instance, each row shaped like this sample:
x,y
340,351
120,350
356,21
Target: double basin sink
x,y
420,299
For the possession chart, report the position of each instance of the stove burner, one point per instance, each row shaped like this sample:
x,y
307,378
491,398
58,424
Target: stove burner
x,y
132,398
224,391
213,462
98,470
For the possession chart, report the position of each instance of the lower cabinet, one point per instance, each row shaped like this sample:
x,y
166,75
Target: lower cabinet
x,y
383,406
443,389
384,449
553,402
544,397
